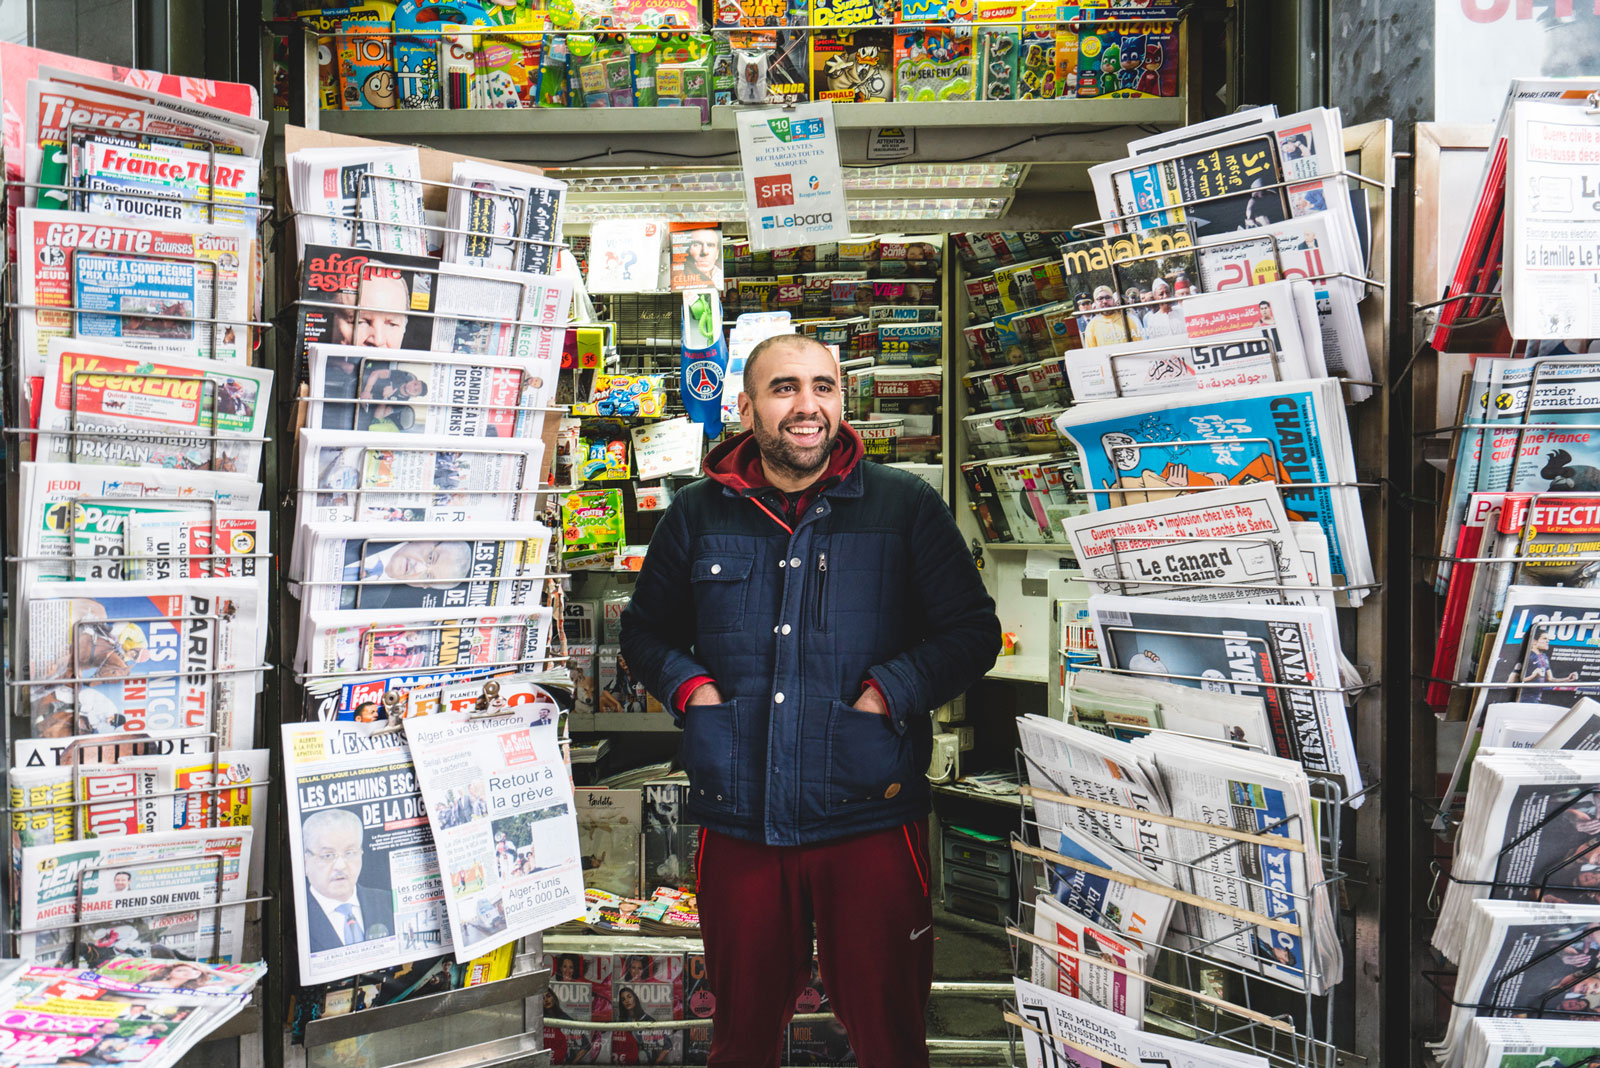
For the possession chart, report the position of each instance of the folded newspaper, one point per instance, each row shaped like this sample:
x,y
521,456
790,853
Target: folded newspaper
x,y
1286,655
500,804
1528,834
144,895
1061,1031
423,565
111,657
1295,434
426,393
1523,958
108,404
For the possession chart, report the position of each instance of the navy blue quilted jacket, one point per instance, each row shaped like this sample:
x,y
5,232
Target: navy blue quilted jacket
x,y
869,582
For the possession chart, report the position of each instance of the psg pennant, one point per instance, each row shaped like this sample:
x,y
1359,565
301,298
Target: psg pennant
x,y
704,363
703,371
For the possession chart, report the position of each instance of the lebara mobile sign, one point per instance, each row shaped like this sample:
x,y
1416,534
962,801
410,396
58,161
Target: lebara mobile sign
x,y
794,189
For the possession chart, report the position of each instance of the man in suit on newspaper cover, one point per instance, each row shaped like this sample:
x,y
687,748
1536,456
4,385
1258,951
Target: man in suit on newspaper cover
x,y
339,910
801,612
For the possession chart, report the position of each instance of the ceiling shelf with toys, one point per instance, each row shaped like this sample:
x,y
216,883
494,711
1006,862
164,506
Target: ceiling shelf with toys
x,y
604,82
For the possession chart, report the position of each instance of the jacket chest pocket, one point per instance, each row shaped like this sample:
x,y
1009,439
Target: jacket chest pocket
x,y
721,584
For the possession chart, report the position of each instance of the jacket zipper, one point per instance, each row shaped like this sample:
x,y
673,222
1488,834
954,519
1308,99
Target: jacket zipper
x,y
822,589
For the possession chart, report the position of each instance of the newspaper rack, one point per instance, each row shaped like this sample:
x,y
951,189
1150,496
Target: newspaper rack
x,y
1273,1018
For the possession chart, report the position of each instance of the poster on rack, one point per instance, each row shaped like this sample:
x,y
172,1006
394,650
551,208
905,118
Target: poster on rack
x,y
793,184
502,811
365,883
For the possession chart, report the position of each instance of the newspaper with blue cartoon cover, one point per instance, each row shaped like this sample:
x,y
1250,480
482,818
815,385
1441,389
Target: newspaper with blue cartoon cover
x,y
1296,434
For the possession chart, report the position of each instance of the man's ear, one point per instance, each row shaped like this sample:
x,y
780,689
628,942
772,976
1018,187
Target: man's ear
x,y
745,409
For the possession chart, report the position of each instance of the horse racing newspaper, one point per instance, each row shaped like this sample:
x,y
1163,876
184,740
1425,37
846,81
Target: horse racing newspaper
x,y
144,895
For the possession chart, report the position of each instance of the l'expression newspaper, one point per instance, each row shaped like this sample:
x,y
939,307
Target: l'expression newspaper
x,y
424,565
410,392
501,806
147,895
366,887
105,404
151,657
118,272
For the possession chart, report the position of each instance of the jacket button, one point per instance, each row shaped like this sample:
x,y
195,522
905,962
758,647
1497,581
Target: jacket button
x,y
716,569
786,628
719,797
784,563
794,561
819,511
893,789
774,630
777,698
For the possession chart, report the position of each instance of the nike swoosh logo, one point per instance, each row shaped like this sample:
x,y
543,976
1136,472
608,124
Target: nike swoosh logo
x,y
918,934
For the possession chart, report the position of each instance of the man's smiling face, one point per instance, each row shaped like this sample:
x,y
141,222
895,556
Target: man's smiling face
x,y
792,403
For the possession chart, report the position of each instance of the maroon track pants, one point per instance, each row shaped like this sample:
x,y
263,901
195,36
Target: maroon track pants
x,y
868,897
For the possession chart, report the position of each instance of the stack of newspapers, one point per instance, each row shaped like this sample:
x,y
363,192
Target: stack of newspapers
x,y
125,1010
141,599
430,810
1521,913
1569,1043
1150,870
419,551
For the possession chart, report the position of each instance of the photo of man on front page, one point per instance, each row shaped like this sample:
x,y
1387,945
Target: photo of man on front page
x,y
366,879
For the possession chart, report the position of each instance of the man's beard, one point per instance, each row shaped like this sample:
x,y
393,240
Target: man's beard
x,y
783,454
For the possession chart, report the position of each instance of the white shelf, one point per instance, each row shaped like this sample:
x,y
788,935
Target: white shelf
x,y
553,136
617,722
1021,669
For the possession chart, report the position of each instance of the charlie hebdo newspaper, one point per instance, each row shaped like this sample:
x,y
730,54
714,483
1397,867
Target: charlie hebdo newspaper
x,y
366,885
501,806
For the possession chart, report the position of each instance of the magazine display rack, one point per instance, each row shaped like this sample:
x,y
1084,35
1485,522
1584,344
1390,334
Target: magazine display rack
x,y
92,641
1193,993
446,1028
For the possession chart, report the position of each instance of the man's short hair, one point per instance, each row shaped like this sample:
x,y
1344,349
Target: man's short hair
x,y
776,342
318,823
